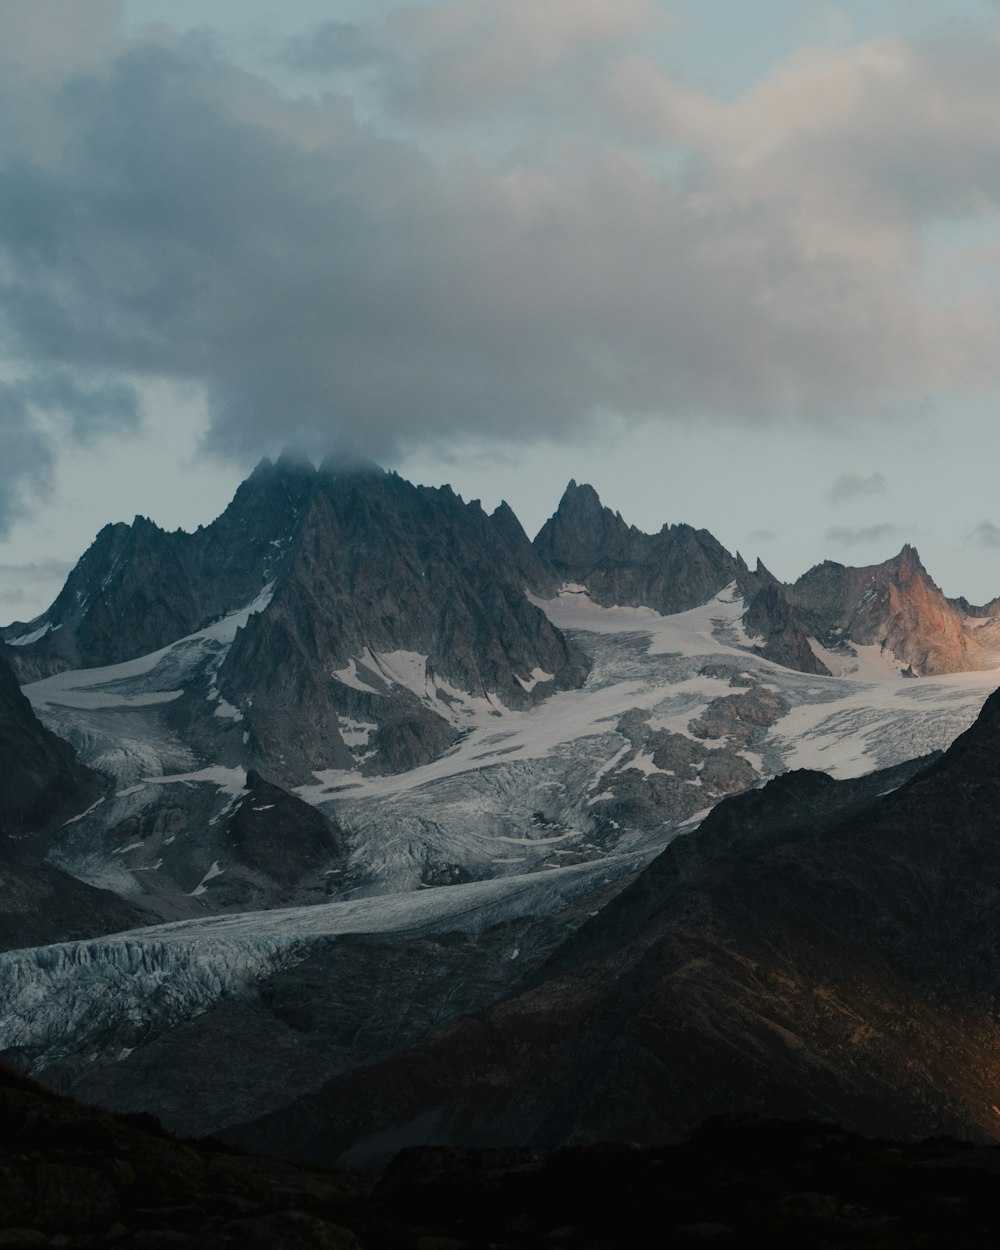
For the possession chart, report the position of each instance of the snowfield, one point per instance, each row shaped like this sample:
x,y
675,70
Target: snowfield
x,y
519,790
513,802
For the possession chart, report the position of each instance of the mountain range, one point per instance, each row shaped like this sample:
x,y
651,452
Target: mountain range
x,y
425,831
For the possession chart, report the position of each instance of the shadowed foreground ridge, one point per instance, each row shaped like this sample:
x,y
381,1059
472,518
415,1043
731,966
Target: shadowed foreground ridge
x,y
91,1179
818,949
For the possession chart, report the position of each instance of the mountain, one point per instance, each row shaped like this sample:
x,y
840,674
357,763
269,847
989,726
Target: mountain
x,y
44,785
775,627
138,588
450,701
677,569
357,727
44,782
398,606
818,948
894,605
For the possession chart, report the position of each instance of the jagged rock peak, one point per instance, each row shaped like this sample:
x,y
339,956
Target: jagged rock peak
x,y
907,558
763,572
676,569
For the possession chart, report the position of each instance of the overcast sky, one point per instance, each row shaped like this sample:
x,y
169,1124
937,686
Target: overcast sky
x,y
735,264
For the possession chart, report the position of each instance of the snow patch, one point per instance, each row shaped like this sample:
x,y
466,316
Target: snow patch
x,y
227,711
231,780
26,640
73,819
538,676
202,886
224,630
124,794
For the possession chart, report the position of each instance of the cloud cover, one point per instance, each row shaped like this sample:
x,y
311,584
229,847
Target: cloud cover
x,y
500,220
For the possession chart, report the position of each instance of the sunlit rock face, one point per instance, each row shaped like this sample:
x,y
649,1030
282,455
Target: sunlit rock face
x,y
895,605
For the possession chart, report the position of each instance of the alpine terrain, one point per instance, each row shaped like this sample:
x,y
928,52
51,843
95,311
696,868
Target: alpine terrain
x,y
356,819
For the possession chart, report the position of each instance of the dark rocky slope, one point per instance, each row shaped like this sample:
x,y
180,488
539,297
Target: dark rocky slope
x,y
362,999
138,588
817,948
264,848
771,618
676,569
73,1176
381,566
42,905
41,785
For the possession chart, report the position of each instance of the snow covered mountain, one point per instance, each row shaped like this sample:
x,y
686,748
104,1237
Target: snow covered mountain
x,y
420,696
302,720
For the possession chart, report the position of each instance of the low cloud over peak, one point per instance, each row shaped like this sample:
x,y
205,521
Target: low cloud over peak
x,y
323,267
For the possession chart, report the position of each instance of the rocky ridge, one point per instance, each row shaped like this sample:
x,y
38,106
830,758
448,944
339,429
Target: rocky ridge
x,y
44,785
818,948
896,606
344,625
677,569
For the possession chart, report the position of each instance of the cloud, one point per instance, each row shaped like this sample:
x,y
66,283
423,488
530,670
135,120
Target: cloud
x,y
323,270
333,46
456,58
762,536
26,583
849,485
851,536
45,409
27,456
987,534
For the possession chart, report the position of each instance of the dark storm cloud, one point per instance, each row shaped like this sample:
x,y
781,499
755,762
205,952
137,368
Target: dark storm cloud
x,y
850,486
27,455
38,412
165,214
336,46
987,534
849,536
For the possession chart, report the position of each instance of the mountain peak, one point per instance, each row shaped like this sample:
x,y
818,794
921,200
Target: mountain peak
x,y
908,557
579,493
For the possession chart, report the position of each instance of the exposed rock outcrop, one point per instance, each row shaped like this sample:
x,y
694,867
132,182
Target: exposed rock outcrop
x,y
676,569
397,604
771,618
138,588
894,605
43,784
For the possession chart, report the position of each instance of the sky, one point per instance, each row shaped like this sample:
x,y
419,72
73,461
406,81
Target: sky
x,y
736,265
